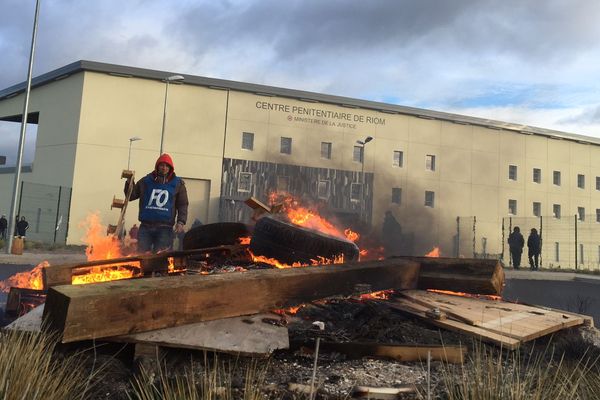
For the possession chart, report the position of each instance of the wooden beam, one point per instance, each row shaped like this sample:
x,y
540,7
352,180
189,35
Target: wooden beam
x,y
404,353
124,307
56,275
469,275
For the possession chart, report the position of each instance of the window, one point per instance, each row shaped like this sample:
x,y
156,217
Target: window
x,y
326,150
512,172
357,155
430,162
597,214
556,251
283,183
396,195
429,199
286,145
512,207
581,181
398,159
581,253
323,190
537,175
355,191
247,140
598,183
245,182
581,213
556,210
556,178
537,208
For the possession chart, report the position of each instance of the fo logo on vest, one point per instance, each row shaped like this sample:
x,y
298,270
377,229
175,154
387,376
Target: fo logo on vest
x,y
158,198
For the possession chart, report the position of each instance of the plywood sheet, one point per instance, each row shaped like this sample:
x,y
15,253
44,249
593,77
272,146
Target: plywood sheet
x,y
496,321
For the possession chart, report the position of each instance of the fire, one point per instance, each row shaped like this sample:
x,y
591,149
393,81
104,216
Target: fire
x,y
111,273
351,235
435,252
278,264
244,240
99,245
27,280
462,294
380,295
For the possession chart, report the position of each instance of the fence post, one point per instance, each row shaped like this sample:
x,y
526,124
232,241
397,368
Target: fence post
x,y
541,240
57,213
503,237
509,232
576,246
457,237
474,224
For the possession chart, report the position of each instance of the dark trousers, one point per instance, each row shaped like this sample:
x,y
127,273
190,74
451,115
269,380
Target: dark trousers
x,y
154,238
534,257
3,233
516,258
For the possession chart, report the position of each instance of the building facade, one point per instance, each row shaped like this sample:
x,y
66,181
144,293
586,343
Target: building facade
x,y
451,181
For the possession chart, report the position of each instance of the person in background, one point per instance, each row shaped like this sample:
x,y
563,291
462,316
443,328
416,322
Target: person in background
x,y
515,245
22,227
534,249
3,227
163,203
133,232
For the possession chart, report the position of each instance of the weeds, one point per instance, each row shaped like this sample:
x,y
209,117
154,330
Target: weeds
x,y
211,383
29,369
493,374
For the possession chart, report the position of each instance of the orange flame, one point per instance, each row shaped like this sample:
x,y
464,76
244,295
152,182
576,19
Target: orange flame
x,y
351,235
470,295
244,240
99,245
112,272
278,264
435,252
380,295
26,280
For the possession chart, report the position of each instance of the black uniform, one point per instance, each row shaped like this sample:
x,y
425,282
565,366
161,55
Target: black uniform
x,y
3,226
516,243
534,248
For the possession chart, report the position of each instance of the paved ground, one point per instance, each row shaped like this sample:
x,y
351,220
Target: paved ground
x,y
31,258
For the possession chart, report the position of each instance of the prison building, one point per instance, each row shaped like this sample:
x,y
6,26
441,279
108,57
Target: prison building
x,y
453,181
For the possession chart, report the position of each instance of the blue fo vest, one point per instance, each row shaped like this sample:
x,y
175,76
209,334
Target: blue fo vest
x,y
159,200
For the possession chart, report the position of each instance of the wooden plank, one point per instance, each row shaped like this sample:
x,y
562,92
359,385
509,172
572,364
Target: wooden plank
x,y
252,336
511,319
405,353
469,275
381,393
124,307
417,310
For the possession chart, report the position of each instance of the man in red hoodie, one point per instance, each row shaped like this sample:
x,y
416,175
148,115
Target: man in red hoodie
x,y
163,203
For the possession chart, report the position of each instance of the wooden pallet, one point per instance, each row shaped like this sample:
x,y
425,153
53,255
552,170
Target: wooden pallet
x,y
493,321
122,204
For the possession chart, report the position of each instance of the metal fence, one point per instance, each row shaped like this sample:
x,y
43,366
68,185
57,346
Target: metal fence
x,y
567,242
46,208
477,238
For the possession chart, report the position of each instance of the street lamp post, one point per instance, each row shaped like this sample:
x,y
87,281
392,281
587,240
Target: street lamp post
x,y
131,140
13,207
362,143
174,79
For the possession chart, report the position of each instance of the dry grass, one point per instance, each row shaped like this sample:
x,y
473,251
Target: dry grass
x,y
493,374
214,382
29,369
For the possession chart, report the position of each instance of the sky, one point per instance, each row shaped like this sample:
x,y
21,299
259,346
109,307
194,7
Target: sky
x,y
532,62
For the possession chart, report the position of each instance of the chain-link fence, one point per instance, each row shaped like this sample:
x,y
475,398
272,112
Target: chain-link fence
x,y
567,242
46,209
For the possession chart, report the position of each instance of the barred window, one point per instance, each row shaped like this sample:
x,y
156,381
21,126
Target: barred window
x,y
512,172
537,208
357,155
429,199
245,182
512,207
326,150
556,178
430,162
286,145
398,158
537,175
247,140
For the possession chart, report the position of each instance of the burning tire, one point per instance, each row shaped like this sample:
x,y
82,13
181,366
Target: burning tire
x,y
212,235
290,243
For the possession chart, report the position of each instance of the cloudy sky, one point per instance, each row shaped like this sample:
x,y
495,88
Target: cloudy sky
x,y
533,62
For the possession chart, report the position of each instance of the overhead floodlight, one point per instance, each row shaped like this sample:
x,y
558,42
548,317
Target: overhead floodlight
x,y
175,78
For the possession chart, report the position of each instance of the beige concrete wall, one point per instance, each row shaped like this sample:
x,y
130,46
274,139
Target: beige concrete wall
x,y
117,108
